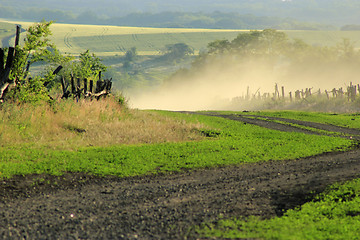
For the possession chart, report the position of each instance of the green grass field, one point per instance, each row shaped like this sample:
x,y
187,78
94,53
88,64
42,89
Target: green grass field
x,y
115,40
6,30
229,142
334,214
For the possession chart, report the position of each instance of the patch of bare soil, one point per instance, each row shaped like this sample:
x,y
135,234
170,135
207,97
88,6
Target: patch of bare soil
x,y
80,206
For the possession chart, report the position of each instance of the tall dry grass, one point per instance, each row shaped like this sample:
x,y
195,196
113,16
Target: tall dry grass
x,y
69,125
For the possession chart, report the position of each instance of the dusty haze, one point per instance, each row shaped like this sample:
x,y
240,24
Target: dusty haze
x,y
213,87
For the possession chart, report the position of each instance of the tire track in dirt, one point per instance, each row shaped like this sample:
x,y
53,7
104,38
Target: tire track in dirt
x,y
268,122
67,38
350,132
167,206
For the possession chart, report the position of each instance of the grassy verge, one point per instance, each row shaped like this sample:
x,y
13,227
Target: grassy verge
x,y
225,142
334,214
71,125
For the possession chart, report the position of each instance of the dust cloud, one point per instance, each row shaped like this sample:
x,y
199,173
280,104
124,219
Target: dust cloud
x,y
215,86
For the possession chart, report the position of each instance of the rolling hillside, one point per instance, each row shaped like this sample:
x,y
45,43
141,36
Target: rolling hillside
x,y
113,40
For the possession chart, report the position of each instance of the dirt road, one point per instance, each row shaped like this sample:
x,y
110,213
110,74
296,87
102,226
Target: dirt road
x,y
78,206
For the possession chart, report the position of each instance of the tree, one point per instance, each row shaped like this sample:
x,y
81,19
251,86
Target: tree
x,y
178,51
245,40
218,46
88,66
131,54
346,48
272,41
129,57
20,86
36,44
266,42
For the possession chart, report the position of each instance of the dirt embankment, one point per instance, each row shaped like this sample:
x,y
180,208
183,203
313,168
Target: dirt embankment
x,y
78,206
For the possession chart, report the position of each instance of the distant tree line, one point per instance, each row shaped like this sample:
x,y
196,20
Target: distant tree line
x,y
352,27
271,56
335,12
215,20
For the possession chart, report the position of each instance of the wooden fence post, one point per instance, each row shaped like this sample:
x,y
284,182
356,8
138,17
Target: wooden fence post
x,y
78,84
63,84
72,84
91,86
327,94
276,94
85,86
17,38
2,56
5,83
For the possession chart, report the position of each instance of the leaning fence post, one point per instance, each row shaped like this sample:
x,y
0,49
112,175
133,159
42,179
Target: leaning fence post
x,y
327,94
63,84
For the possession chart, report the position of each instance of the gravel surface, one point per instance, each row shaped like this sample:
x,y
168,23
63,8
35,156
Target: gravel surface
x,y
79,206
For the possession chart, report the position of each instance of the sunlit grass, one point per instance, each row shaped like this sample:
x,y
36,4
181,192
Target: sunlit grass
x,y
69,125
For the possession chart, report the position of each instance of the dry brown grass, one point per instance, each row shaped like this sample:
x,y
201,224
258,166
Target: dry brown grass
x,y
69,125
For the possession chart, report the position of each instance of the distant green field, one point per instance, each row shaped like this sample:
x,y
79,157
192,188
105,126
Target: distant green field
x,y
114,40
149,44
325,38
6,30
